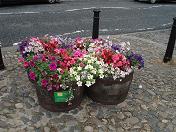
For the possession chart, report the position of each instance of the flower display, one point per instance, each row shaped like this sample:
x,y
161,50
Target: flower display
x,y
54,63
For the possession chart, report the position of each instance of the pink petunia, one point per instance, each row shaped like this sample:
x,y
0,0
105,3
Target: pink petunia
x,y
53,66
43,58
35,58
20,60
53,58
55,76
81,64
26,64
44,82
32,75
119,64
116,58
77,54
32,64
57,51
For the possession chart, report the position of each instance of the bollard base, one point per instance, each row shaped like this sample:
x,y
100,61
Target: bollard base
x,y
167,59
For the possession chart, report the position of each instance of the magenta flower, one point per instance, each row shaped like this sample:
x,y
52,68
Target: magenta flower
x,y
53,66
44,82
32,64
35,58
32,75
26,64
20,60
52,58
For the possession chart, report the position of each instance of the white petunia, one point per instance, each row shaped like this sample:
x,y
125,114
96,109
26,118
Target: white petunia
x,y
89,61
77,78
79,83
94,71
89,76
100,71
79,68
101,76
88,83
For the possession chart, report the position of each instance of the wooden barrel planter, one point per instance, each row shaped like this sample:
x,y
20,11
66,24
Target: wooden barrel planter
x,y
109,91
46,99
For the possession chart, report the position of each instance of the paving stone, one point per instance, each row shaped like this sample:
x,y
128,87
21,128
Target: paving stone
x,y
132,120
3,124
161,125
72,123
19,105
25,120
113,121
170,127
120,129
88,128
36,118
125,125
123,104
104,121
46,129
3,130
174,121
120,115
165,121
111,128
144,107
128,114
163,114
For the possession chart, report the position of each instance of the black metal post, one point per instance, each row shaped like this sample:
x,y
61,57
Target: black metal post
x,y
96,18
1,61
171,43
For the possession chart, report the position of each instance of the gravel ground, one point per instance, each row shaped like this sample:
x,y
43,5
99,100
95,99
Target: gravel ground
x,y
149,107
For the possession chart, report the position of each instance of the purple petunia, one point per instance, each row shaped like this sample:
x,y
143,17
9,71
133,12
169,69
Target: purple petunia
x,y
116,47
136,59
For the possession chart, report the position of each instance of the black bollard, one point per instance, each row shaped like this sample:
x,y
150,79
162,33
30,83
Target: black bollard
x,y
96,18
1,61
171,43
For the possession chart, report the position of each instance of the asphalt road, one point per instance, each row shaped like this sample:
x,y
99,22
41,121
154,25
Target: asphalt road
x,y
74,18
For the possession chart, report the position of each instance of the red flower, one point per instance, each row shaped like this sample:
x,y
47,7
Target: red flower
x,y
107,56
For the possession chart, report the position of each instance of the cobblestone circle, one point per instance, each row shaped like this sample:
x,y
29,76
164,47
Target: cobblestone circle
x,y
149,107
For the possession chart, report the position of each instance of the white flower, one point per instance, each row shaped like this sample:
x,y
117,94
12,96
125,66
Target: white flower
x,y
91,67
101,76
100,71
71,70
94,71
79,83
77,78
88,83
87,67
74,73
89,76
79,68
122,74
89,61
93,81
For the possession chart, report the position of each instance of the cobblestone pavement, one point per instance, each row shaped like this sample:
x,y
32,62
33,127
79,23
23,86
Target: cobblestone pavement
x,y
149,107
